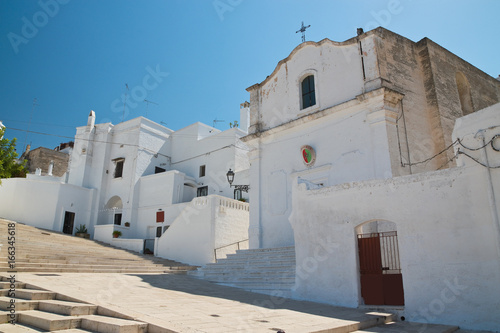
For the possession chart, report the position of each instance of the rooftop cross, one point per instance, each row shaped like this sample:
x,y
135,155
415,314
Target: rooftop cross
x,y
303,30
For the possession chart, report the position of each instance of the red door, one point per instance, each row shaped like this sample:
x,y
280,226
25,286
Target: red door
x,y
380,272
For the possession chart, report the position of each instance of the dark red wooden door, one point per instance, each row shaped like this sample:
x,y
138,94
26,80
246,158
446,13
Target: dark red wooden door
x,y
380,273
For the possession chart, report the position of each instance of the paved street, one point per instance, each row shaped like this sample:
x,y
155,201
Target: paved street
x,y
185,304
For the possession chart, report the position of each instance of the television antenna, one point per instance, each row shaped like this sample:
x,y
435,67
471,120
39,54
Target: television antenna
x,y
124,102
217,121
29,124
303,30
147,104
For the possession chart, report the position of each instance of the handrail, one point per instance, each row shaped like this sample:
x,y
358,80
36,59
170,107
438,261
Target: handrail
x,y
215,250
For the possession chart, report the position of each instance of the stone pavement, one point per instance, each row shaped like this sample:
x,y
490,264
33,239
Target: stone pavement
x,y
185,304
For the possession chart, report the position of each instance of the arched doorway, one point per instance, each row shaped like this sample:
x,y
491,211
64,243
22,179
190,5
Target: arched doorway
x,y
115,207
379,265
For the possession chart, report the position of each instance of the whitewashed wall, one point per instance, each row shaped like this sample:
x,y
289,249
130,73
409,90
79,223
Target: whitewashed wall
x,y
338,78
205,224
447,225
43,203
358,151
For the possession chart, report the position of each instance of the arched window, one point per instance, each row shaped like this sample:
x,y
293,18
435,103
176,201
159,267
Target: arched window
x,y
308,92
464,95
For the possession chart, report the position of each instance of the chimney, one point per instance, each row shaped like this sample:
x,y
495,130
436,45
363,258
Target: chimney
x,y
51,167
91,121
360,31
244,116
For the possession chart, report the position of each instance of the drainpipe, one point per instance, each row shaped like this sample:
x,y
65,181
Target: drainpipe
x,y
491,190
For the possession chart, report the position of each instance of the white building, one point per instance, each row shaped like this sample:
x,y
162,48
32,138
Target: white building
x,y
346,139
140,178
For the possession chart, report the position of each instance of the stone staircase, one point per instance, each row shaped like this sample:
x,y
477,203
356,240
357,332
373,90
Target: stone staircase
x,y
36,310
38,250
272,272
266,271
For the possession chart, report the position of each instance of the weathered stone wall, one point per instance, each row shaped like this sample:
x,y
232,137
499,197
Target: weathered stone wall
x,y
484,89
426,74
41,157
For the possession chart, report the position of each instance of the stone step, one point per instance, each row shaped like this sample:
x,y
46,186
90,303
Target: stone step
x,y
48,321
5,316
30,294
244,273
259,285
67,308
267,256
72,260
8,285
407,327
273,249
40,250
256,279
105,270
249,268
19,328
86,265
112,325
20,304
251,263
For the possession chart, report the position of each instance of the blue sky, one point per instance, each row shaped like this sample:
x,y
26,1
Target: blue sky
x,y
194,59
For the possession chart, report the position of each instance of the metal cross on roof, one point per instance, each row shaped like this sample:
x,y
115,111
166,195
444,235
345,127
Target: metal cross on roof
x,y
303,30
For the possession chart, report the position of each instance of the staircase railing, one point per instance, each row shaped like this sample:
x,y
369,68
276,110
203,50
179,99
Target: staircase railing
x,y
222,247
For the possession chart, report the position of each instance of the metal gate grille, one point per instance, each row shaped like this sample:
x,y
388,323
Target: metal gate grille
x,y
380,269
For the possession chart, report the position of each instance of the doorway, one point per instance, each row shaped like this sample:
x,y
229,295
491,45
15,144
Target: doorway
x,y
379,265
69,220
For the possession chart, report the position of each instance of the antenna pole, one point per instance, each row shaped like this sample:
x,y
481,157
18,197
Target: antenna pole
x,y
124,102
147,104
217,121
29,124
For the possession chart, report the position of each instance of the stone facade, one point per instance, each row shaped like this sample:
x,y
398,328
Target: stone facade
x,y
42,157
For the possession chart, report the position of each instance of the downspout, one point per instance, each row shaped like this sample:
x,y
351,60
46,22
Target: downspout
x,y
491,191
260,192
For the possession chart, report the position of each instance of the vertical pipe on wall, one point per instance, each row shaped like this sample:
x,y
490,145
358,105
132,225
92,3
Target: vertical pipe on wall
x,y
491,190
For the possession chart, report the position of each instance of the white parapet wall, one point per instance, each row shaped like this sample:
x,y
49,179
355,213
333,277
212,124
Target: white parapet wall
x,y
42,202
104,233
447,228
208,224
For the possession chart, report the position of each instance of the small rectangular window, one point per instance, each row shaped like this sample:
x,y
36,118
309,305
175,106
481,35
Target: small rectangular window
x,y
119,167
158,232
118,219
202,191
202,170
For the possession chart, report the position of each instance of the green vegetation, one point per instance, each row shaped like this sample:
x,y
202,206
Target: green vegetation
x,y
9,165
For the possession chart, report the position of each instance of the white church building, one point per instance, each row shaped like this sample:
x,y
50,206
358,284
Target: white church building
x,y
378,159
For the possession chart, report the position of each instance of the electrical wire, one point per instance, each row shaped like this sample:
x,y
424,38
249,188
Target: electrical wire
x,y
125,144
477,161
432,157
474,149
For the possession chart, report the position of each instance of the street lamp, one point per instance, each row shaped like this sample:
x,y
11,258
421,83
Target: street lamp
x,y
230,179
